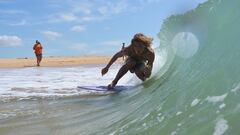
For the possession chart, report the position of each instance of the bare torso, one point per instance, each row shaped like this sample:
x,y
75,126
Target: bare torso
x,y
147,55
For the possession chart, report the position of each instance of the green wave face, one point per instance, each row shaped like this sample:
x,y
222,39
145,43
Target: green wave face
x,y
197,91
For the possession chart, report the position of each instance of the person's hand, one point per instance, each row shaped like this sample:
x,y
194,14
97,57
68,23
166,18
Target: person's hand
x,y
104,71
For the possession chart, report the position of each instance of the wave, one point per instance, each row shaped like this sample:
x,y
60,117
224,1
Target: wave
x,y
194,89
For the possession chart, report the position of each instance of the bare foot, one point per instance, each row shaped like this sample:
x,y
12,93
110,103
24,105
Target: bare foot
x,y
111,86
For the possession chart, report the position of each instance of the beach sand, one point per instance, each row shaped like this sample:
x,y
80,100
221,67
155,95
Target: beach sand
x,y
54,61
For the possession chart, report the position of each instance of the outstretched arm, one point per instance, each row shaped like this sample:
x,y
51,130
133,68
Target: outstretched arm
x,y
113,59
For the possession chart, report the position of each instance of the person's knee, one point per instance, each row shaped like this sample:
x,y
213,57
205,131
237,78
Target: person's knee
x,y
140,75
143,78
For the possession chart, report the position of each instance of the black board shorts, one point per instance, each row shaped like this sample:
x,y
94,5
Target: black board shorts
x,y
38,55
139,64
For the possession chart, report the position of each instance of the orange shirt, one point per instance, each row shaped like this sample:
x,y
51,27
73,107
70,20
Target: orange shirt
x,y
38,49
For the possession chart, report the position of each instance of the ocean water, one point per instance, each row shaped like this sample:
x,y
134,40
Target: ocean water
x,y
45,82
194,88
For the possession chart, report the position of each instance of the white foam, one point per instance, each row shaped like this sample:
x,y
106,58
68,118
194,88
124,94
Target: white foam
x,y
160,60
220,127
160,119
47,81
237,88
222,106
191,115
215,99
195,102
145,116
174,133
144,125
178,113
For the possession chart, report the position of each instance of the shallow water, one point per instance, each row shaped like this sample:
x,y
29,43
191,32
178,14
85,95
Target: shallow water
x,y
50,82
44,100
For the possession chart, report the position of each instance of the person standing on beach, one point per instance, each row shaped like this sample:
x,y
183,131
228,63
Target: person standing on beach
x,y
140,58
38,51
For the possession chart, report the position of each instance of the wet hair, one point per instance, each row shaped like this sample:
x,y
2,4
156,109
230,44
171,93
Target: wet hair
x,y
141,39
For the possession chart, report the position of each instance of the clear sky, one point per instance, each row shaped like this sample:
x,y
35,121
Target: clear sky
x,y
81,27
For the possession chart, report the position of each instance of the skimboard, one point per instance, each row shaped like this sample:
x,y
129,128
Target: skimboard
x,y
105,88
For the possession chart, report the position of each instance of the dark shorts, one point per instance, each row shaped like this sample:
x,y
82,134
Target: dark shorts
x,y
38,55
139,64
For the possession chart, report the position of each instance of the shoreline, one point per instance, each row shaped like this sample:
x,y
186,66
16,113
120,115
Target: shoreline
x,y
58,61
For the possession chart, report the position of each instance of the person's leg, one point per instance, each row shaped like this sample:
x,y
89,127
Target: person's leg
x,y
40,59
139,71
140,74
122,71
37,57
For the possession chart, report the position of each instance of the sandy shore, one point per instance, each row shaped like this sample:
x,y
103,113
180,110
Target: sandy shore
x,y
53,61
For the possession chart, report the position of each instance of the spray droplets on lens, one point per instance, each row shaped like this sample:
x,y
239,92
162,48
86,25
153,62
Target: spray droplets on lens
x,y
185,44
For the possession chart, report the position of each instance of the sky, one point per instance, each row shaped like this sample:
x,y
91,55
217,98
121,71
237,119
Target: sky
x,y
81,27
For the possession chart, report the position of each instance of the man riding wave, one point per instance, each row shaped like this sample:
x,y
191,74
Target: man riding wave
x,y
140,58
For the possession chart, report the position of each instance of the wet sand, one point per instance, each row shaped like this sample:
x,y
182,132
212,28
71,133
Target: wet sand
x,y
53,61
